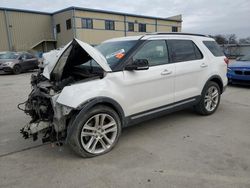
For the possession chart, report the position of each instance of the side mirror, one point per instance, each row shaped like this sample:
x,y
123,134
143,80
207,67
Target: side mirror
x,y
20,58
237,59
138,64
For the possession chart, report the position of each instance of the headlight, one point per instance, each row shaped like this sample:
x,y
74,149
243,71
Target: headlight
x,y
229,70
9,63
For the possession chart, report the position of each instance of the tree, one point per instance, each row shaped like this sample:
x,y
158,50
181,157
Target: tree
x,y
220,39
232,39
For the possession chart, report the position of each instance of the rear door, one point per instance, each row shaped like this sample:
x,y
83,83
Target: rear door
x,y
27,61
152,88
191,68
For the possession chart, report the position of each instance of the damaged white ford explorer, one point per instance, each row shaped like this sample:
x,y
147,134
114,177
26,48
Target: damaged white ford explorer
x,y
85,96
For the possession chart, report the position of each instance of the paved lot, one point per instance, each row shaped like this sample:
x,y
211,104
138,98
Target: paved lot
x,y
178,150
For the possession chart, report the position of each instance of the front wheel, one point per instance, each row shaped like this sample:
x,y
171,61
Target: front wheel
x,y
17,69
96,132
210,99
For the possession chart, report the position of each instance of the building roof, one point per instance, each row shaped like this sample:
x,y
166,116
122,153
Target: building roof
x,y
22,10
173,18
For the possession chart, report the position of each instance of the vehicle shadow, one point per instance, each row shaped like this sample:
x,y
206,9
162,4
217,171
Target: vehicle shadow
x,y
153,126
2,73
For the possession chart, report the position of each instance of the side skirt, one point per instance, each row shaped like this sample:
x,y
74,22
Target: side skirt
x,y
160,111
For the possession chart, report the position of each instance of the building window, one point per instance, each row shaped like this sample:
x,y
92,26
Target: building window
x,y
58,28
174,29
131,26
109,25
87,23
68,24
142,27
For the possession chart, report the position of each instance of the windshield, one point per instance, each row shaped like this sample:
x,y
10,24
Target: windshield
x,y
115,51
245,58
9,55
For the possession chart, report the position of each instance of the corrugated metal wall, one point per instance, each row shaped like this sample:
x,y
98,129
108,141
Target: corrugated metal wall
x,y
3,33
25,29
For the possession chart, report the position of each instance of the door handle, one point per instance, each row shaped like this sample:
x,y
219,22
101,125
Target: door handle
x,y
166,72
203,65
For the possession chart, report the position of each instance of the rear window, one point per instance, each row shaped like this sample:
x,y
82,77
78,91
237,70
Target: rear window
x,y
214,48
183,50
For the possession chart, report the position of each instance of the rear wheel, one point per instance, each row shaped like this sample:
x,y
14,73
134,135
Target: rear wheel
x,y
96,132
210,99
17,69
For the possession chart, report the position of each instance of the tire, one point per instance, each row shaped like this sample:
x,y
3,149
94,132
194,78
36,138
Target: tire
x,y
86,132
17,69
210,99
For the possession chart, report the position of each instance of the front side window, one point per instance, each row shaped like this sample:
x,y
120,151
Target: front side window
x,y
183,50
142,27
154,51
130,26
109,25
87,23
115,51
28,56
68,24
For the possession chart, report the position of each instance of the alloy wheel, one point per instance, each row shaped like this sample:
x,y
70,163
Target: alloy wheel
x,y
99,133
211,98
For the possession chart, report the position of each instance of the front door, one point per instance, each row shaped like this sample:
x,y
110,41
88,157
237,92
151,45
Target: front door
x,y
152,88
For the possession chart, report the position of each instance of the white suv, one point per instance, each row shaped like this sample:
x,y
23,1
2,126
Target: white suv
x,y
87,95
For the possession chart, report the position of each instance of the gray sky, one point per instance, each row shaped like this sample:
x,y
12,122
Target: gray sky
x,y
199,16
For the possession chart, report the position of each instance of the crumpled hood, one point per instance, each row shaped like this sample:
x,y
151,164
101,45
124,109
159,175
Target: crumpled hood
x,y
240,64
92,52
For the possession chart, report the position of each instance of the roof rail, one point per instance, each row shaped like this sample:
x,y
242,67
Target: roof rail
x,y
175,33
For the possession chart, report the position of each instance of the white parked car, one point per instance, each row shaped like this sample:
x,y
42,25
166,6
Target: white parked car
x,y
87,95
50,56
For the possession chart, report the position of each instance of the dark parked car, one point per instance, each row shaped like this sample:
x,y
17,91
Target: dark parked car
x,y
238,72
17,62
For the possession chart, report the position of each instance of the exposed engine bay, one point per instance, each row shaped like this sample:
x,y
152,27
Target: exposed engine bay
x,y
74,66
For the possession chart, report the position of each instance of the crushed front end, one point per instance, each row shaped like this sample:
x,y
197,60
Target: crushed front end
x,y
75,64
47,116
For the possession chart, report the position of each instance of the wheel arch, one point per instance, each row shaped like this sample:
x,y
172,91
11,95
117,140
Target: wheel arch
x,y
84,107
103,101
217,79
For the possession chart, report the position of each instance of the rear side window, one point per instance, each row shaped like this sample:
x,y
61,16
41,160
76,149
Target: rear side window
x,y
214,48
28,56
183,50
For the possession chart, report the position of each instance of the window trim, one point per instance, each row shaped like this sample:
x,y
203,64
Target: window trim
x,y
175,27
108,28
68,24
145,27
58,28
194,44
87,19
133,27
